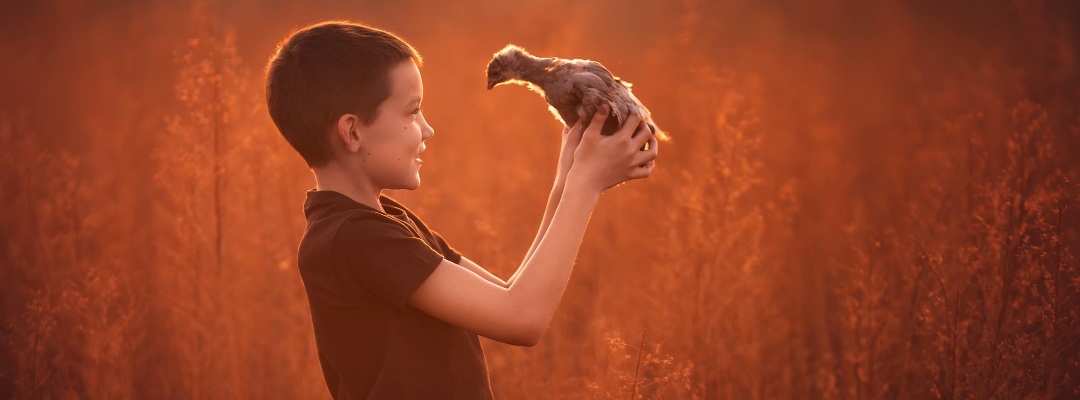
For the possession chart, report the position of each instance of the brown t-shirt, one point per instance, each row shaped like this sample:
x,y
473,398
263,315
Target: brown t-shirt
x,y
359,267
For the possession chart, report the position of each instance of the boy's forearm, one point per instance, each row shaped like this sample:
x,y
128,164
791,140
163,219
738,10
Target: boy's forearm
x,y
540,283
552,205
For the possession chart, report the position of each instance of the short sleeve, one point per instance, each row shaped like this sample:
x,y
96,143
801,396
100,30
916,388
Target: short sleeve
x,y
384,257
451,253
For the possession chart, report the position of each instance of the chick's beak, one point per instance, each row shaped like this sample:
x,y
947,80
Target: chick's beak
x,y
491,84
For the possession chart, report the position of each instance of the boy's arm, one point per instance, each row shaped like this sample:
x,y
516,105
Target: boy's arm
x,y
520,314
552,205
483,273
571,136
517,314
556,192
570,140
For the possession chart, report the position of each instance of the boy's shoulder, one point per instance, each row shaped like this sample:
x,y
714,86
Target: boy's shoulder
x,y
334,219
336,207
330,213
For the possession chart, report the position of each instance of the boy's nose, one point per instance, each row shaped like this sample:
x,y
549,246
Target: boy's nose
x,y
428,131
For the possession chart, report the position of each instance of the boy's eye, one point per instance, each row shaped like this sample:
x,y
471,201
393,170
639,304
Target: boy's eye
x,y
417,110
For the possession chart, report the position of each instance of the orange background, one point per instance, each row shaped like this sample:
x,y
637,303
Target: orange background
x,y
860,201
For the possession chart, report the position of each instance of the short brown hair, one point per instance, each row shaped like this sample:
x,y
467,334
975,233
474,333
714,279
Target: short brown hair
x,y
326,70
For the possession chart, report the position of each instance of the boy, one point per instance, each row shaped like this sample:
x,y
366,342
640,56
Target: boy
x,y
396,310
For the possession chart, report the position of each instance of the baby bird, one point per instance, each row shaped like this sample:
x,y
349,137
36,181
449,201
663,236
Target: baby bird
x,y
574,89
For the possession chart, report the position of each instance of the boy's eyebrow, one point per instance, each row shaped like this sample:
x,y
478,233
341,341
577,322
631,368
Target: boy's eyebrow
x,y
414,100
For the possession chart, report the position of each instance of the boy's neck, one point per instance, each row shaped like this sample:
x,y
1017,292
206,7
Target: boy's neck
x,y
333,180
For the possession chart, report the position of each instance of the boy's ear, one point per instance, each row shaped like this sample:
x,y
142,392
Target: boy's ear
x,y
348,130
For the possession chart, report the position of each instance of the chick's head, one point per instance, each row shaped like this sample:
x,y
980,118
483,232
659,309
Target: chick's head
x,y
506,65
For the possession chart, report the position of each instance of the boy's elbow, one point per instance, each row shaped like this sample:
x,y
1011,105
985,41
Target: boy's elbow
x,y
529,322
529,343
537,333
529,330
529,338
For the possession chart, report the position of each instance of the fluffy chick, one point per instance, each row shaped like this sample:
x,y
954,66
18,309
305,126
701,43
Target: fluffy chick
x,y
574,89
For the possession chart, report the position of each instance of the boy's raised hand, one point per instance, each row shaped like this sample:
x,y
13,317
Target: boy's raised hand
x,y
602,162
571,136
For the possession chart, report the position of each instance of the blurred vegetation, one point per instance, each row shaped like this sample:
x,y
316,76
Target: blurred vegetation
x,y
861,200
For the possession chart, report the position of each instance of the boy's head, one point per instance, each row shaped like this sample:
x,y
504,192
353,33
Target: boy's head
x,y
347,95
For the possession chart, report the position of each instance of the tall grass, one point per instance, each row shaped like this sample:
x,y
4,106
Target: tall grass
x,y
884,215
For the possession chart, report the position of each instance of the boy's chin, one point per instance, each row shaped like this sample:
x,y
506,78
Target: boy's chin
x,y
407,182
412,184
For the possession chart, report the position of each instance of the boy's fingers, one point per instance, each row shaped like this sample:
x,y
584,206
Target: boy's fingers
x,y
630,125
598,119
643,157
567,129
643,134
577,131
643,171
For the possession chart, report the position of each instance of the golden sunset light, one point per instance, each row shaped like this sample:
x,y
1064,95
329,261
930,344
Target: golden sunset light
x,y
853,200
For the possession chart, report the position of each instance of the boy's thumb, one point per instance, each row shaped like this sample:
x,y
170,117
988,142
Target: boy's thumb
x,y
599,118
